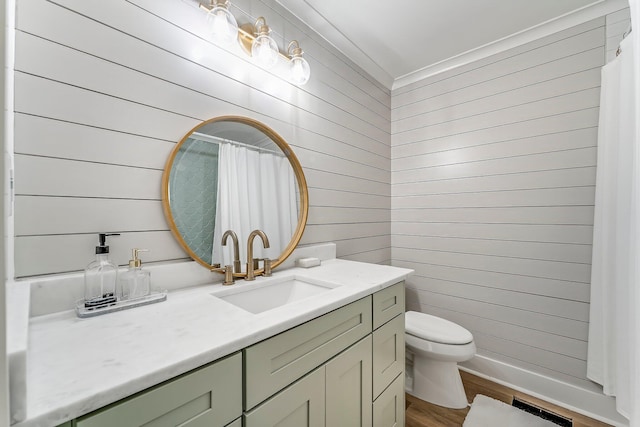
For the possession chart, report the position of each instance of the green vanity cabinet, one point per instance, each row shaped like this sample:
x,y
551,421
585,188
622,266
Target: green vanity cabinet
x,y
388,354
388,408
388,357
302,404
344,368
274,363
387,304
209,396
236,423
337,393
348,380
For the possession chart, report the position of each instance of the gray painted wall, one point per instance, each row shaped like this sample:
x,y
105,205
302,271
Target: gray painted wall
x,y
104,93
493,168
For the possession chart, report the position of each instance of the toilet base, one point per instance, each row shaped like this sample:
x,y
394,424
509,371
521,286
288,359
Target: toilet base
x,y
438,382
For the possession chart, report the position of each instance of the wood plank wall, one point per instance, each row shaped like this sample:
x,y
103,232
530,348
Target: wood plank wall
x,y
104,91
493,174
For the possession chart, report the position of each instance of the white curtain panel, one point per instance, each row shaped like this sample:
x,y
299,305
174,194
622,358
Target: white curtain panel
x,y
256,190
614,328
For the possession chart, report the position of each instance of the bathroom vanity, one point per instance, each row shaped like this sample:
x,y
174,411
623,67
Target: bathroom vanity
x,y
318,346
197,358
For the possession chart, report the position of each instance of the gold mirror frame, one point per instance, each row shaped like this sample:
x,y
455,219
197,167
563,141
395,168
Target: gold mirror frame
x,y
297,169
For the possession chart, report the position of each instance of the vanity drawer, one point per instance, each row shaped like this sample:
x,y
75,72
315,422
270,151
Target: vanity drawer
x,y
208,396
276,362
388,409
388,354
387,304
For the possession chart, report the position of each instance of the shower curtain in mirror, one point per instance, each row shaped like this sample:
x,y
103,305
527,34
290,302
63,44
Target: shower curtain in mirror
x,y
256,190
614,327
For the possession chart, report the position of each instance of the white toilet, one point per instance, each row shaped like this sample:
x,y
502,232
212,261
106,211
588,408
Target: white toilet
x,y
437,345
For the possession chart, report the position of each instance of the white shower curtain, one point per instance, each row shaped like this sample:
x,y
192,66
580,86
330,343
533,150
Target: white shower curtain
x,y
614,327
256,190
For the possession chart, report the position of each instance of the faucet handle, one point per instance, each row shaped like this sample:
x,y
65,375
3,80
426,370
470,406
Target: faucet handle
x,y
228,275
267,267
250,275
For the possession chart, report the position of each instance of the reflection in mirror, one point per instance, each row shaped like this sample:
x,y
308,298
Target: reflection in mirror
x,y
235,174
193,191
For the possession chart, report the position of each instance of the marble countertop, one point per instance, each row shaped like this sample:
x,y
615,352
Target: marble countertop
x,y
75,366
18,302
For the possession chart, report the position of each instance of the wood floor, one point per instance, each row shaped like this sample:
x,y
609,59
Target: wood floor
x,y
423,414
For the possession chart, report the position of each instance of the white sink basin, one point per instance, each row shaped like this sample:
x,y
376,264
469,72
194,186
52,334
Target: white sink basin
x,y
262,295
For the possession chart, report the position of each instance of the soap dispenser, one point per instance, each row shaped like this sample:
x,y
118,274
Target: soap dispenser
x,y
100,277
135,282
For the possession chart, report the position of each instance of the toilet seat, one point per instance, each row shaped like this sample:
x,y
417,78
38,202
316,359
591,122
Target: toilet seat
x,y
435,329
438,351
434,348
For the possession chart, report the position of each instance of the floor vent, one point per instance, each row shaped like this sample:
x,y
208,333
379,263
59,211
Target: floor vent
x,y
539,412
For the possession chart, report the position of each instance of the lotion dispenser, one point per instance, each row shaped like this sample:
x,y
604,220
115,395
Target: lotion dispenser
x,y
100,277
135,282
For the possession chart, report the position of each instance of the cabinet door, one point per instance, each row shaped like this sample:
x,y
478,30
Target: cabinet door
x,y
348,387
301,404
236,423
210,396
388,408
276,362
388,354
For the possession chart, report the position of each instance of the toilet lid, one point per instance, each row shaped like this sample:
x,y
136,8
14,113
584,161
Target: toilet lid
x,y
435,329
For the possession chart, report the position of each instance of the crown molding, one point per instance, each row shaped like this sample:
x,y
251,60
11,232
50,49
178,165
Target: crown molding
x,y
563,22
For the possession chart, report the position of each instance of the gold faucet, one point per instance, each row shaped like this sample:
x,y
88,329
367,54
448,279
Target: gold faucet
x,y
236,249
265,242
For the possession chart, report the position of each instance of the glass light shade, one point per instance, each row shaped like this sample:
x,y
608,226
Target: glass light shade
x,y
265,50
300,70
223,25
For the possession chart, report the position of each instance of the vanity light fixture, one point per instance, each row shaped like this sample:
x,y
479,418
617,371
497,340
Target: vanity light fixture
x,y
256,41
299,67
222,23
263,48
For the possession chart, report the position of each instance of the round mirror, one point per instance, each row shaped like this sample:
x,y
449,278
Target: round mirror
x,y
234,173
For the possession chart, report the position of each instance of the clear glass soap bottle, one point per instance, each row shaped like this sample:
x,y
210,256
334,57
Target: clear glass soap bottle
x,y
101,277
135,282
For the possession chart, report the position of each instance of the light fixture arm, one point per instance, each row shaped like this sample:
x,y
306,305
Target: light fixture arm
x,y
262,29
297,51
214,3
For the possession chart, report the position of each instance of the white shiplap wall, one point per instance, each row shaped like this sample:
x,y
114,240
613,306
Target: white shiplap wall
x,y
103,93
618,25
493,174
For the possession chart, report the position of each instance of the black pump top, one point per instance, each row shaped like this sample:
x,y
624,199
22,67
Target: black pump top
x,y
102,248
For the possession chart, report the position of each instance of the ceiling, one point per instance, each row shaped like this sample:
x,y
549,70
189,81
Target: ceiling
x,y
393,39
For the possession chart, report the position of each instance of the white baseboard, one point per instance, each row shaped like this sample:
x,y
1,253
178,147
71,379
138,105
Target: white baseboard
x,y
586,402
